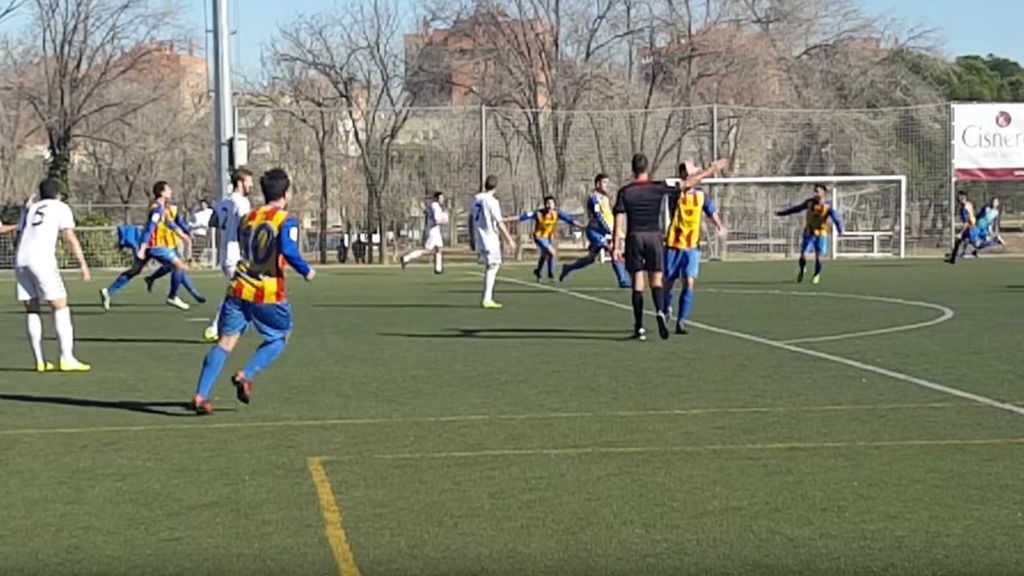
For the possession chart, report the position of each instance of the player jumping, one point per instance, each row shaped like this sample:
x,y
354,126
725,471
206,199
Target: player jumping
x,y
159,242
485,223
545,221
682,256
38,276
816,231
228,214
435,217
268,239
598,232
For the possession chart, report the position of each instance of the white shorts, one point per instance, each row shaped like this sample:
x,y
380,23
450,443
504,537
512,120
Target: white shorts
x,y
229,269
229,258
489,255
434,240
40,282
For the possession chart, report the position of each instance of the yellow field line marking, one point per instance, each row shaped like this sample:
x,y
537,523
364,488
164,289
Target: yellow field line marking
x,y
628,450
334,529
275,424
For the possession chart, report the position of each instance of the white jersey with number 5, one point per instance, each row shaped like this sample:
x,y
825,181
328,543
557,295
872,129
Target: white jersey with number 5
x,y
486,213
40,227
229,212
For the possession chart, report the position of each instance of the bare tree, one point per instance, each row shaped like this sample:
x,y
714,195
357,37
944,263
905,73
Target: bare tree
x,y
82,49
313,104
9,7
358,53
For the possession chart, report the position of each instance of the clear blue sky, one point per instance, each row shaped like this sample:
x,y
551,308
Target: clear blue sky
x,y
965,26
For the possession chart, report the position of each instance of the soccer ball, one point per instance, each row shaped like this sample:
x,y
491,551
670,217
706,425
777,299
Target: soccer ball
x,y
210,334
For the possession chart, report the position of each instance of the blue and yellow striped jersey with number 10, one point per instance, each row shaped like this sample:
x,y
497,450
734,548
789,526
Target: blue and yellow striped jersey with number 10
x,y
268,241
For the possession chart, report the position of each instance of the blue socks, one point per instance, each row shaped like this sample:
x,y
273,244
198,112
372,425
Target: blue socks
x,y
620,274
212,366
119,283
551,266
817,267
803,264
160,273
685,304
186,281
263,357
176,279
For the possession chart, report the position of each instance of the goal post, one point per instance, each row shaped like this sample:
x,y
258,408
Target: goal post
x,y
873,209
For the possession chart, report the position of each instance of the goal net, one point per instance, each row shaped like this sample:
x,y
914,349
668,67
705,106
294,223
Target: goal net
x,y
872,209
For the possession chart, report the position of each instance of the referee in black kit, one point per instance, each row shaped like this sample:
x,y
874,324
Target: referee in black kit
x,y
641,241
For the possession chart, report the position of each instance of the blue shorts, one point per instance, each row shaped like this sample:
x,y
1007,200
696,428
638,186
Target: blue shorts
x,y
272,321
544,245
816,244
597,239
682,263
976,235
162,255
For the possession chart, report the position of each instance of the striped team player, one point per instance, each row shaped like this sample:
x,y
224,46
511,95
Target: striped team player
x,y
816,230
682,255
227,217
179,219
545,220
159,242
598,232
269,241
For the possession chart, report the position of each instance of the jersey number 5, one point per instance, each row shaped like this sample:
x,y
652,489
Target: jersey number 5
x,y
37,218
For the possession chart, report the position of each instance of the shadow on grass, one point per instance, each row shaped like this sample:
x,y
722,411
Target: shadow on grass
x,y
385,305
174,409
152,341
519,334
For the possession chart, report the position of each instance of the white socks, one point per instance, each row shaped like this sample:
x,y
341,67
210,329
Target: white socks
x,y
65,333
438,265
34,323
412,255
490,276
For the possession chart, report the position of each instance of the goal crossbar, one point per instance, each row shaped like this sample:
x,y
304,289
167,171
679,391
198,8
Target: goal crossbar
x,y
901,180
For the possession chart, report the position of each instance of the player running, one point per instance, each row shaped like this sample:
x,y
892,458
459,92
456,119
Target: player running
x,y
968,220
183,278
598,232
545,220
639,238
228,214
682,256
159,242
268,239
816,231
485,223
38,276
985,226
435,217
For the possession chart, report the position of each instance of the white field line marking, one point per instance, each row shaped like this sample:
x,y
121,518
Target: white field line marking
x,y
945,314
935,386
197,320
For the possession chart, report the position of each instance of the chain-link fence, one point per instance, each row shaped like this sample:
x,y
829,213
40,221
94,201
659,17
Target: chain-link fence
x,y
369,174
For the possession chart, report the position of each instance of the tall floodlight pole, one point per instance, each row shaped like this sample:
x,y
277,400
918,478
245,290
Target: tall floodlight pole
x,y
223,112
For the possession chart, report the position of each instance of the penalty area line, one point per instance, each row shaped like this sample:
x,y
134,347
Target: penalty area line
x,y
921,382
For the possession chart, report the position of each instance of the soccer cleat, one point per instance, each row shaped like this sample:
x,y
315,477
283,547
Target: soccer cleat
x,y
404,262
816,280
662,326
149,283
74,365
640,335
563,274
243,387
202,406
177,303
1000,241
800,277
681,329
45,367
625,285
105,299
536,274
199,298
211,334
490,305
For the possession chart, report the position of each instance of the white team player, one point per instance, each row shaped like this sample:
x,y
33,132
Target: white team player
x,y
485,222
227,219
38,275
435,217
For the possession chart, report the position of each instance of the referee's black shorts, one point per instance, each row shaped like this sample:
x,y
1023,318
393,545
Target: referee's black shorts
x,y
645,252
